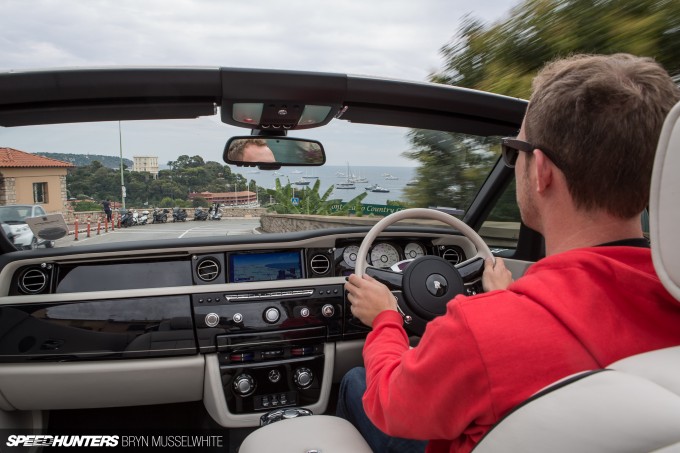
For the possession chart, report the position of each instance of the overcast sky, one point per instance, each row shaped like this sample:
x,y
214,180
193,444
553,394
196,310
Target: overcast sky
x,y
391,38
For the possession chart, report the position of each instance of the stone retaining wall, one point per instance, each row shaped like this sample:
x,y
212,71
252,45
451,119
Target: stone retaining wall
x,y
498,234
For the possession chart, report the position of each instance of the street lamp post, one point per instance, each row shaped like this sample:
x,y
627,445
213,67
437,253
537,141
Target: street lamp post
x,y
122,179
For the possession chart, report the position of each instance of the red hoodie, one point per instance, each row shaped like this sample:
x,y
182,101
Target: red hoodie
x,y
575,311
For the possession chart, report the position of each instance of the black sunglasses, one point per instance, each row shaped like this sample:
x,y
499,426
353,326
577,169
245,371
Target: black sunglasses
x,y
511,148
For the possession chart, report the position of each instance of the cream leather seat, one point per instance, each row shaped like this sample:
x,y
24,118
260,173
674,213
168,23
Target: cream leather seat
x,y
632,406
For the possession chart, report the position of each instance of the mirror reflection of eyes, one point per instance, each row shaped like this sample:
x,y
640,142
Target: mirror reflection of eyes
x,y
283,151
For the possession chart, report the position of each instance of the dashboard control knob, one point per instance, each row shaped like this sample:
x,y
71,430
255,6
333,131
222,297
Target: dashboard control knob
x,y
303,377
237,318
271,315
328,310
304,312
212,319
244,384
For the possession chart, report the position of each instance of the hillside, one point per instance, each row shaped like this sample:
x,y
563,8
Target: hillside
x,y
83,160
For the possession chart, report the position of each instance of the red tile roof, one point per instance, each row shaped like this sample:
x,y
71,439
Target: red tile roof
x,y
10,157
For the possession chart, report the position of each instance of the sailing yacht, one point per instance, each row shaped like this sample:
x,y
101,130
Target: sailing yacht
x,y
346,185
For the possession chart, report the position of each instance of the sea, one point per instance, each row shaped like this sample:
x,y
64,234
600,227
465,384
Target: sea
x,y
393,179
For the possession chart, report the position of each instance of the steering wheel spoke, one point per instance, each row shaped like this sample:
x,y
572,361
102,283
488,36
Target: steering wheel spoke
x,y
393,280
471,270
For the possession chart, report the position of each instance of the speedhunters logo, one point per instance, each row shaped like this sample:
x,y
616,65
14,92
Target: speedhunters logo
x,y
61,441
80,442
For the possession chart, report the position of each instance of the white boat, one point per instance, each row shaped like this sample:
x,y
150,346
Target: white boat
x,y
413,182
391,177
376,188
346,185
301,182
297,172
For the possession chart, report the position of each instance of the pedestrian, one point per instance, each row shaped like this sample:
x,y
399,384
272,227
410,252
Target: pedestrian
x,y
107,209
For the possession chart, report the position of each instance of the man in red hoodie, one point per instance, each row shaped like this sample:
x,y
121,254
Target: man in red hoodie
x,y
583,161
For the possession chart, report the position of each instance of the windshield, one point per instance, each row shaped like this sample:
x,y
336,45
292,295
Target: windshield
x,y
166,179
14,214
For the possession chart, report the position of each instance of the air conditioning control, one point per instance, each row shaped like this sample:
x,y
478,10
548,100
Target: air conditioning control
x,y
303,377
244,384
271,315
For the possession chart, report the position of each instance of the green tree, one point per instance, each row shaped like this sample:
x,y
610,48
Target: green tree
x,y
199,202
187,174
453,166
504,56
166,202
84,206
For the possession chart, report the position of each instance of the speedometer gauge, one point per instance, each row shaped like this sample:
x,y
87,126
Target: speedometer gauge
x,y
350,255
413,250
384,255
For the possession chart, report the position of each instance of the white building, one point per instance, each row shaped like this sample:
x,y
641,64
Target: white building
x,y
148,164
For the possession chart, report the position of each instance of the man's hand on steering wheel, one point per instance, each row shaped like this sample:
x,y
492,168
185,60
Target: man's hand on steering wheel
x,y
496,276
368,297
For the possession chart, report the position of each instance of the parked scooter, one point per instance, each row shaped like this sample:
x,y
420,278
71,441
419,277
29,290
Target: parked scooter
x,y
127,219
179,215
159,216
200,214
144,218
214,212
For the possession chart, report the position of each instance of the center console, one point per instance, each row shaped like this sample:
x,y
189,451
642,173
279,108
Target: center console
x,y
271,346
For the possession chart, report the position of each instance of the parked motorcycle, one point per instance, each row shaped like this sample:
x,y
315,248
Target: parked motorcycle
x,y
179,215
159,216
144,218
214,213
127,219
200,214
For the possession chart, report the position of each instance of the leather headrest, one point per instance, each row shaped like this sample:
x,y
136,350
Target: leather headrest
x,y
664,204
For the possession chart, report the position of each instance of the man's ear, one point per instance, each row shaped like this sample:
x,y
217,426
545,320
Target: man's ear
x,y
544,170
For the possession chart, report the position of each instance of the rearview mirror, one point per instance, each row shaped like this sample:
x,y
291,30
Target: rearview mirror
x,y
272,153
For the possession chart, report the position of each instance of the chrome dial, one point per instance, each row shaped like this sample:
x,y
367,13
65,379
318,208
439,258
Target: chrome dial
x,y
350,255
413,250
384,255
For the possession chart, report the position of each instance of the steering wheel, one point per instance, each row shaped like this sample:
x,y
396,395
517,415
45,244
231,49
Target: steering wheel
x,y
429,282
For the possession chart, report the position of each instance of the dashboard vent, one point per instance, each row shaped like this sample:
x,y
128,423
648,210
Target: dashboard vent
x,y
452,256
320,264
33,281
208,269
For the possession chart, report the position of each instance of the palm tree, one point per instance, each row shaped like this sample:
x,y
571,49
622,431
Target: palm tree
x,y
311,201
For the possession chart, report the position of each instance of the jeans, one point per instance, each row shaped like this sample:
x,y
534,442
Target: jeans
x,y
352,388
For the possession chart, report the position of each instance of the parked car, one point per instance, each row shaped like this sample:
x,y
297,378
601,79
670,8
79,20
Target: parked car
x,y
13,218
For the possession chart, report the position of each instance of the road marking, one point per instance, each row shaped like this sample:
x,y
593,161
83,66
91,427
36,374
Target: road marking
x,y
237,232
182,235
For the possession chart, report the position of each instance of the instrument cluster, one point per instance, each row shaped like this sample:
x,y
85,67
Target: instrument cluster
x,y
383,254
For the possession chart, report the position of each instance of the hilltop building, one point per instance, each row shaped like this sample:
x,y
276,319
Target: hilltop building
x,y
148,164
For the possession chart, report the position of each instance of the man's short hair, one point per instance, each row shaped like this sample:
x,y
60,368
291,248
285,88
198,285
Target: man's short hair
x,y
602,116
238,147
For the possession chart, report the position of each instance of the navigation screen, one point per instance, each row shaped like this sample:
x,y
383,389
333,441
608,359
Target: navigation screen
x,y
258,267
